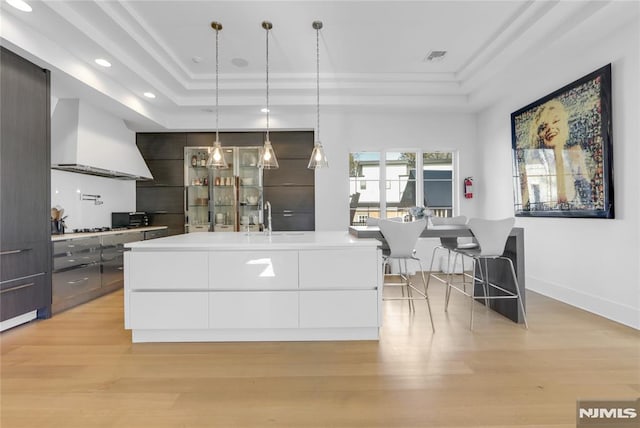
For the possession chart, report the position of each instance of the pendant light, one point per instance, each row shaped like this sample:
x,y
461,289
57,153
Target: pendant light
x,y
216,154
267,155
318,157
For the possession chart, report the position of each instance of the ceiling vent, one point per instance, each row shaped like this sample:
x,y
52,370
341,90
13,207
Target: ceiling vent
x,y
434,56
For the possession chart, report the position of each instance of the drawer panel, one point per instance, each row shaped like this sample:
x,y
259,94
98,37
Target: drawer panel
x,y
338,308
253,309
64,262
293,221
121,238
28,259
168,270
112,271
254,270
22,296
76,246
74,282
153,234
168,310
354,268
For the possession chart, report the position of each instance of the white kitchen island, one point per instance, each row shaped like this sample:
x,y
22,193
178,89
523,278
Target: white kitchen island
x,y
252,287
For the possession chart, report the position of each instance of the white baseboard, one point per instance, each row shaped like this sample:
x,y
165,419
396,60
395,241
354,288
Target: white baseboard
x,y
618,312
20,319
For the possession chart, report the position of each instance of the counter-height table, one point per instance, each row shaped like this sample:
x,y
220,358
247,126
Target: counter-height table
x,y
499,271
239,286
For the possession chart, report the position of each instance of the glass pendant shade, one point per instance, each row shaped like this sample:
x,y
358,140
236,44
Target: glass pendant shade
x,y
216,157
318,158
268,157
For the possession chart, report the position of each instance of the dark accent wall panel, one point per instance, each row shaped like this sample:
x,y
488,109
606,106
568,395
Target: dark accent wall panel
x,y
166,172
160,199
161,145
291,172
292,144
242,139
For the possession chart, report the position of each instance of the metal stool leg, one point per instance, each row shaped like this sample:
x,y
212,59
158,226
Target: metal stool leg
x,y
426,296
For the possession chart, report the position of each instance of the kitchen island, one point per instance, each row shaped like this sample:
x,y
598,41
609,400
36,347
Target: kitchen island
x,y
253,287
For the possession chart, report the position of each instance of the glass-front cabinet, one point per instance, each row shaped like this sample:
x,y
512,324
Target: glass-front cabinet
x,y
196,176
250,189
223,200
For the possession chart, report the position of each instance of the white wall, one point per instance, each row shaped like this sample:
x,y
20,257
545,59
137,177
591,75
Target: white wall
x,y
66,188
588,263
345,132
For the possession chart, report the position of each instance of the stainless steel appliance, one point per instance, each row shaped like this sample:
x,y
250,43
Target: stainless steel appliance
x,y
128,220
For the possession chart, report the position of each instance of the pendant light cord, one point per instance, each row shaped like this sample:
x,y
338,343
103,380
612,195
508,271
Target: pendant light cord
x,y
217,104
318,83
267,74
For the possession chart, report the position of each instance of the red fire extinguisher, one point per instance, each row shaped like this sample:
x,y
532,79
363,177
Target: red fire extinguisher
x,y
468,187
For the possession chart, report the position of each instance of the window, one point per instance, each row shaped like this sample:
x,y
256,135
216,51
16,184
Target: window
x,y
389,184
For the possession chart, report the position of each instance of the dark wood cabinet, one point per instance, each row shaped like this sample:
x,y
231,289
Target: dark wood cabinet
x,y
25,157
290,189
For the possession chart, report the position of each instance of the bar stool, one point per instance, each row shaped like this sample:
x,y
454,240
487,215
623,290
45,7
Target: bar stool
x,y
448,245
402,238
492,237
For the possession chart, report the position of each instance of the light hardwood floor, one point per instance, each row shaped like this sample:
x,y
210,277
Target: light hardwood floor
x,y
80,369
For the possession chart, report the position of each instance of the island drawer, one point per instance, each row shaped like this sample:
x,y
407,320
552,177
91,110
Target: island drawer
x,y
254,270
253,309
150,310
338,308
335,268
170,270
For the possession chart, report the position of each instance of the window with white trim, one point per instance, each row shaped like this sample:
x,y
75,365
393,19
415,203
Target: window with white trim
x,y
388,184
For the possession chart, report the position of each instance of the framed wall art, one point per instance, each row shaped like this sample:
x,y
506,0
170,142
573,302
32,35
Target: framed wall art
x,y
562,151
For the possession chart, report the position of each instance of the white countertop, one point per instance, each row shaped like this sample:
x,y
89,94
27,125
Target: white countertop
x,y
254,241
65,236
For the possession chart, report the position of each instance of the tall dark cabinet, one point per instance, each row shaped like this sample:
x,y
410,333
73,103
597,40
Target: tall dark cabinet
x,y
290,189
25,188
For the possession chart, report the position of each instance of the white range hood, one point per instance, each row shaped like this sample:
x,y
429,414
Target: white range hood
x,y
89,141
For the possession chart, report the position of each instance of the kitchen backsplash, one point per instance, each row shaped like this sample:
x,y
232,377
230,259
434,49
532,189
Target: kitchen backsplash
x,y
67,189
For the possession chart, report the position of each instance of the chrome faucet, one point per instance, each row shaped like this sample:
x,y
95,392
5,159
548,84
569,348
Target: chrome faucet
x,y
268,229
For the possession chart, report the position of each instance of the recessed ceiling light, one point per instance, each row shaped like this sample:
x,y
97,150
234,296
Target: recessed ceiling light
x,y
240,62
20,5
103,62
265,110
149,95
197,59
434,56
208,110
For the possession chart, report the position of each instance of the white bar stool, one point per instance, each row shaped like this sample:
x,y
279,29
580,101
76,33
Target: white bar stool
x,y
491,236
402,238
